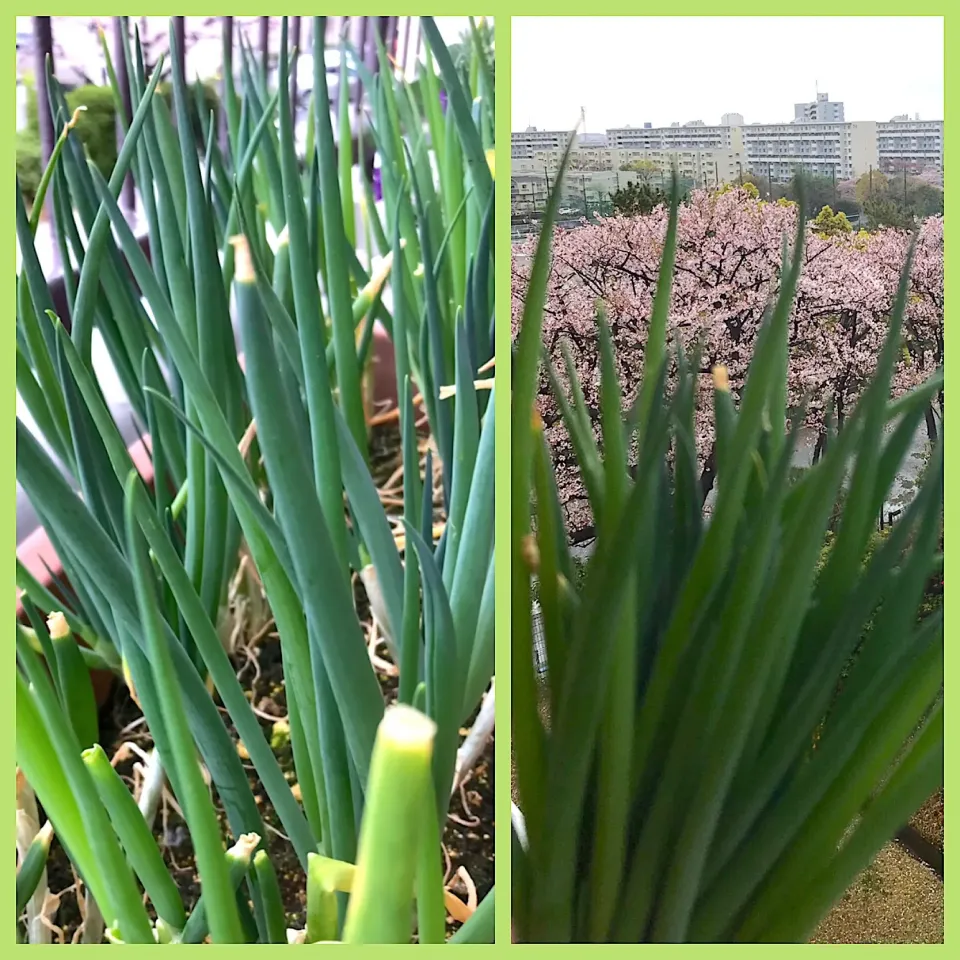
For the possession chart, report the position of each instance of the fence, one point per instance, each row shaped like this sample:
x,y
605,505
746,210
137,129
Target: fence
x,y
581,197
585,193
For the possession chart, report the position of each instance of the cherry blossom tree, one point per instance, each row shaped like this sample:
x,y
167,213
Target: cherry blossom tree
x,y
729,249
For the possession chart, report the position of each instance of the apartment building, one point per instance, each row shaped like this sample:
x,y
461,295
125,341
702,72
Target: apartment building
x,y
547,147
818,140
911,145
532,141
702,167
821,110
705,167
827,149
527,192
547,161
600,173
691,136
841,150
592,152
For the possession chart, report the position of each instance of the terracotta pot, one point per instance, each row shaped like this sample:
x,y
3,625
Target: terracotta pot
x,y
383,370
385,395
102,681
31,553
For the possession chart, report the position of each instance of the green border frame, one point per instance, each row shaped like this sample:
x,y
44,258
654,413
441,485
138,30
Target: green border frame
x,y
502,10
502,491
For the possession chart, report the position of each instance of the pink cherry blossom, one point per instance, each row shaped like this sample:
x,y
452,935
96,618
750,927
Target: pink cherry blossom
x,y
729,249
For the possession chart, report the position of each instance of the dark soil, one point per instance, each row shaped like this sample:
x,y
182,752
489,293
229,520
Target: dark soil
x,y
467,839
468,834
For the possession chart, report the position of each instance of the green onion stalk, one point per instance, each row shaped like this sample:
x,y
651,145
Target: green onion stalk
x,y
241,245
733,722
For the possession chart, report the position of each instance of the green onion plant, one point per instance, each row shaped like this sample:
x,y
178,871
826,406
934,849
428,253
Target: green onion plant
x,y
266,448
730,738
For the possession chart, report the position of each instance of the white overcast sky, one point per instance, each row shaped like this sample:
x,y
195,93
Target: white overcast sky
x,y
628,70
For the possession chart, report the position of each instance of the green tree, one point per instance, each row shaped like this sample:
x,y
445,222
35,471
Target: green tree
x,y
884,211
96,127
830,224
924,199
750,189
636,198
846,206
871,184
645,169
818,192
759,183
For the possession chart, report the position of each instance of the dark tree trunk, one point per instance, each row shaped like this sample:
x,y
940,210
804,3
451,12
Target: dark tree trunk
x,y
583,535
821,448
931,419
709,475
